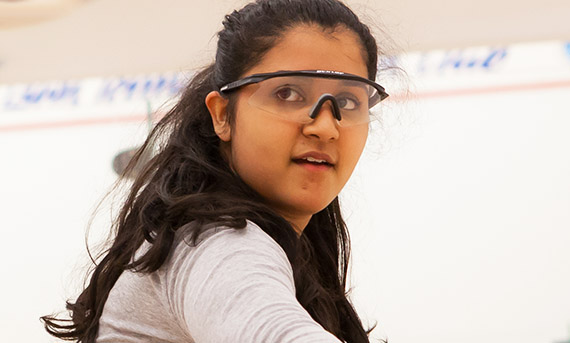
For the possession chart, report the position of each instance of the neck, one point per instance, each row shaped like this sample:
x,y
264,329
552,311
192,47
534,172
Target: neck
x,y
299,223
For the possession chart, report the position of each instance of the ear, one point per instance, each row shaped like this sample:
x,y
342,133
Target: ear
x,y
217,106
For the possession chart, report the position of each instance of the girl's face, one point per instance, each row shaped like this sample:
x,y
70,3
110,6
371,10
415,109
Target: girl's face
x,y
269,153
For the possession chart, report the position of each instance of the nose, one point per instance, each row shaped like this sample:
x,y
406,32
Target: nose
x,y
325,114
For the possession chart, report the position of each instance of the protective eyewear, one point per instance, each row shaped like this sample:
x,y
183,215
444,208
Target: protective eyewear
x,y
299,95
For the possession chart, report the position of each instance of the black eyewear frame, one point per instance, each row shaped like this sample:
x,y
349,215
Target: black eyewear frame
x,y
255,78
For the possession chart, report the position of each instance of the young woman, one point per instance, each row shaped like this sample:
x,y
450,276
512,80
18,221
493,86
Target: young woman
x,y
233,231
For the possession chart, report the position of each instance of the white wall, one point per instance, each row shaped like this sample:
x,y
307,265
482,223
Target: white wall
x,y
461,224
459,210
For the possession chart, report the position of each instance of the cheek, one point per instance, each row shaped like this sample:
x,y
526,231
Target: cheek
x,y
259,147
355,140
352,147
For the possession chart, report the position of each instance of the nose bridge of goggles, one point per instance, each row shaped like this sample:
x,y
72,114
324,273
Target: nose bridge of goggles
x,y
316,109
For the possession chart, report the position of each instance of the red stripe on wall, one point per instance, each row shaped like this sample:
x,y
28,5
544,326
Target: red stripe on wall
x,y
72,123
484,90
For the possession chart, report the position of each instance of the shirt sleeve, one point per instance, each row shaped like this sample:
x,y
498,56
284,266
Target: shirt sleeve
x,y
237,286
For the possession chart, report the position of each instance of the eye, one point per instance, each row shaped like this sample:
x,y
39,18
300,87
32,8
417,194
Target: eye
x,y
288,94
347,103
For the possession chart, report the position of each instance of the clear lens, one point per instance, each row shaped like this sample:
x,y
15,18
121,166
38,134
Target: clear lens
x,y
292,97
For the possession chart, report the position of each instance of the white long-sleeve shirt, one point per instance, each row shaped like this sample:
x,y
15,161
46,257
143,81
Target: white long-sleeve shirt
x,y
232,286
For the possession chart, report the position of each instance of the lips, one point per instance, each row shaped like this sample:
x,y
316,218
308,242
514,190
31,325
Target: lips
x,y
315,158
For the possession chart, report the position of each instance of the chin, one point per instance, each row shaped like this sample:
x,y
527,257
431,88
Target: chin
x,y
301,206
315,208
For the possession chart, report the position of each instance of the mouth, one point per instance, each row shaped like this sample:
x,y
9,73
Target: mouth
x,y
314,159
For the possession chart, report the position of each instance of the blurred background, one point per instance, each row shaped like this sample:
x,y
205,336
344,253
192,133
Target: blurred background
x,y
459,209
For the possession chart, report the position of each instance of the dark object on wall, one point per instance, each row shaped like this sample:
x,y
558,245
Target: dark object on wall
x,y
123,158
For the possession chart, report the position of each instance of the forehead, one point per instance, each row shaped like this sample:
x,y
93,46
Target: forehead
x,y
310,47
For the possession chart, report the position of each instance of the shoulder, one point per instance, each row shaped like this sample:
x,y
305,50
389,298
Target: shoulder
x,y
224,241
223,252
216,234
237,285
225,269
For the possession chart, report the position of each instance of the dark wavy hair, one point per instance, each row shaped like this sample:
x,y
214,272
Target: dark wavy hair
x,y
187,180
